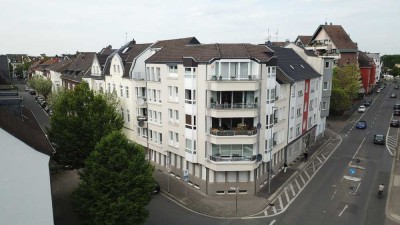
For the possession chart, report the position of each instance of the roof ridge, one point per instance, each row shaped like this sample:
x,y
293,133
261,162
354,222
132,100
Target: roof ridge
x,y
245,49
218,50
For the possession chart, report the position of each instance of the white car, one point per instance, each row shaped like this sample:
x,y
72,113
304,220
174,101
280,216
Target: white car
x,y
361,109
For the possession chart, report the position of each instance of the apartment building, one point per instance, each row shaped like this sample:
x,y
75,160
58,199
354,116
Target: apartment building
x,y
210,114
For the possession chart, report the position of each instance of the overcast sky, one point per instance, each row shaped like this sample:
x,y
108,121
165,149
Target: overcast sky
x,y
58,26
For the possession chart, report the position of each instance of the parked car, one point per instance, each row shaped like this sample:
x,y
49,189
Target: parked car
x,y
393,95
395,123
361,124
367,103
378,90
396,87
27,88
396,112
396,106
379,139
32,92
361,109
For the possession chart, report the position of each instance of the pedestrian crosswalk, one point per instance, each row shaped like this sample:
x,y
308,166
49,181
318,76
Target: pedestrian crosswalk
x,y
294,188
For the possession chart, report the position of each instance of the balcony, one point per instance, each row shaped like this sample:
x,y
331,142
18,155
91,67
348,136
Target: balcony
x,y
233,106
234,132
232,158
233,78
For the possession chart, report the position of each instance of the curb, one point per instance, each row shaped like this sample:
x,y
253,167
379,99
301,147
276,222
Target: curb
x,y
387,207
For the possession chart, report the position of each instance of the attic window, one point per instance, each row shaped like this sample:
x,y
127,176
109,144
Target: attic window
x,y
302,66
291,67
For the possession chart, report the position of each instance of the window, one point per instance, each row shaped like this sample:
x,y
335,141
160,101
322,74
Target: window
x,y
298,130
173,69
323,105
190,123
292,112
190,146
109,88
300,93
190,96
118,68
115,69
298,113
127,91
121,91
170,115
291,133
122,113
327,65
326,85
114,88
128,116
176,139
306,87
176,116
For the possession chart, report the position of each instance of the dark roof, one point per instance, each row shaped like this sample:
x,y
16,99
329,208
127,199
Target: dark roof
x,y
364,60
293,65
208,52
79,67
304,39
49,62
282,78
176,42
60,66
107,50
16,57
338,36
4,70
27,130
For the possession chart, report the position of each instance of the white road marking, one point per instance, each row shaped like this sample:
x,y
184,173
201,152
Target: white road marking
x,y
302,179
287,196
358,186
272,222
274,209
359,147
266,213
323,156
334,193
343,210
319,159
297,183
280,202
305,171
293,192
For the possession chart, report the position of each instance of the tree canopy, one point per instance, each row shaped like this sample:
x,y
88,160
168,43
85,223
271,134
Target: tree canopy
x,y
390,60
81,117
41,85
116,183
345,88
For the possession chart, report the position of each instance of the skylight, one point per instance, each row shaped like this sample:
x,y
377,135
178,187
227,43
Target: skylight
x,y
291,67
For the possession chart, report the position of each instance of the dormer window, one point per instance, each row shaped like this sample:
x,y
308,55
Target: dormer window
x,y
115,69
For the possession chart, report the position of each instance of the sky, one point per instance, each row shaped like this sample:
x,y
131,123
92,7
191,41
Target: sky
x,y
59,27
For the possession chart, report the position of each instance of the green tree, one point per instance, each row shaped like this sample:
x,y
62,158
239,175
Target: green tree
x,y
19,70
395,71
345,88
41,85
80,119
116,183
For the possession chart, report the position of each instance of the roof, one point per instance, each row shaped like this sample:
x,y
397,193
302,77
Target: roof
x,y
60,66
304,39
4,70
282,78
49,62
107,50
364,60
208,52
337,35
79,67
175,42
27,130
293,65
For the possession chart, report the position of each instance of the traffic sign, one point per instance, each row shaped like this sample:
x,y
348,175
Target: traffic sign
x,y
186,175
352,171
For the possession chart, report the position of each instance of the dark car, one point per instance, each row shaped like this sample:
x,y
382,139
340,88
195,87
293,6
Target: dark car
x,y
395,123
379,139
396,106
32,92
361,124
396,87
396,112
367,103
393,95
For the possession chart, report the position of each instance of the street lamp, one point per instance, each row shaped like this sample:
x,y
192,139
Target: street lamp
x,y
236,189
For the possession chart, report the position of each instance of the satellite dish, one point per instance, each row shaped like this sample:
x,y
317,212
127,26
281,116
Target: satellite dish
x,y
141,123
140,101
259,157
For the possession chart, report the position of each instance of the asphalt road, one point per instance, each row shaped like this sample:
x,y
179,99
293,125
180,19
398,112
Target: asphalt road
x,y
331,199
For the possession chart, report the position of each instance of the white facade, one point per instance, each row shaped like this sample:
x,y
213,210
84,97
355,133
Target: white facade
x,y
56,81
377,60
25,184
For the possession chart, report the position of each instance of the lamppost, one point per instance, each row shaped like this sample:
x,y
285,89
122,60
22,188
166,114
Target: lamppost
x,y
236,189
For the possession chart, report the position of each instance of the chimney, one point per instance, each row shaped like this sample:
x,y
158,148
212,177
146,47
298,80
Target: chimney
x,y
133,41
109,47
330,23
326,23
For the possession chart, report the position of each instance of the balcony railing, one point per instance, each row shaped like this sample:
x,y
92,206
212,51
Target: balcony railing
x,y
233,158
233,78
233,106
219,132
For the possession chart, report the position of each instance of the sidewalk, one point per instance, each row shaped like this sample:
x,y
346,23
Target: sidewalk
x,y
224,206
393,204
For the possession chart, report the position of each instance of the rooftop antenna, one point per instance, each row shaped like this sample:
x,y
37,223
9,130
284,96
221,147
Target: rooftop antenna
x,y
126,37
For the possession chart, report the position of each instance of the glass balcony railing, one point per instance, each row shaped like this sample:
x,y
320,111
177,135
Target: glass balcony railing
x,y
233,106
221,132
232,158
233,78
